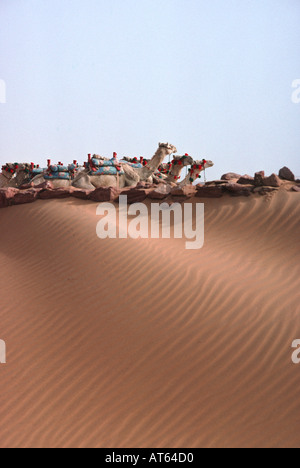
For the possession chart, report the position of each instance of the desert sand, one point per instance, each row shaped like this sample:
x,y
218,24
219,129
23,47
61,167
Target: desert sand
x,y
141,343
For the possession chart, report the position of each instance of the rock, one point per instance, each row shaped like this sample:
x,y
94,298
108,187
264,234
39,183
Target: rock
x,y
259,178
161,192
209,192
3,202
25,196
217,182
8,195
146,185
135,195
286,174
82,194
187,191
239,190
48,194
296,188
103,194
230,176
272,181
246,180
265,190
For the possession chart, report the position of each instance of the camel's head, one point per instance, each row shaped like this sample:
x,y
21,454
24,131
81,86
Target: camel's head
x,y
185,160
207,164
24,167
198,167
168,147
9,169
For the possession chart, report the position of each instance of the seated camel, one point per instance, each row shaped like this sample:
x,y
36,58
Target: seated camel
x,y
195,171
171,172
116,174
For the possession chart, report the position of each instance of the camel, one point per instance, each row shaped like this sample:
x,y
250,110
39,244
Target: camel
x,y
50,175
129,176
173,170
13,175
195,171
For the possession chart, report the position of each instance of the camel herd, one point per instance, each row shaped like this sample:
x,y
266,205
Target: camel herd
x,y
103,172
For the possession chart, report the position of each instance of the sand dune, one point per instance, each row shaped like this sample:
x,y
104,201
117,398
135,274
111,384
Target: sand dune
x,y
123,343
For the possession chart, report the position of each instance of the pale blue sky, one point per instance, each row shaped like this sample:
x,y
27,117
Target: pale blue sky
x,y
212,77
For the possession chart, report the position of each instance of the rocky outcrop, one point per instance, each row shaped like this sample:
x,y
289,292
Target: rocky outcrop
x,y
246,180
239,190
209,191
217,182
13,196
296,188
49,194
161,192
187,191
265,190
135,195
102,194
286,174
230,176
272,181
82,194
259,178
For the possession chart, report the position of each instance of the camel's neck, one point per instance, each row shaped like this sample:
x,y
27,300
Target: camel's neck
x,y
175,173
187,180
156,161
21,177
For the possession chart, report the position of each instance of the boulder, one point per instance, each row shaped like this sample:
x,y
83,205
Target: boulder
x,y
239,190
230,176
265,190
25,196
272,181
161,192
145,185
187,191
286,174
135,195
3,202
259,178
49,194
82,194
209,191
296,188
217,182
7,195
103,194
246,180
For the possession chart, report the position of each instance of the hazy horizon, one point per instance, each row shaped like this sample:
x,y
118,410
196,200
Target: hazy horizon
x,y
214,79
